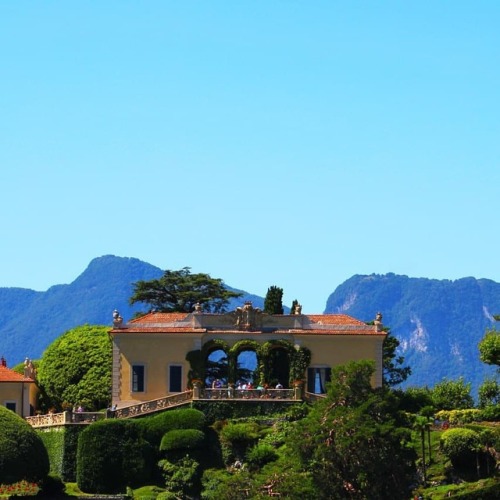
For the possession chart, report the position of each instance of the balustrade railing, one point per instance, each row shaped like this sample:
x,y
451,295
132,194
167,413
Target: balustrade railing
x,y
152,406
66,417
232,393
311,397
135,410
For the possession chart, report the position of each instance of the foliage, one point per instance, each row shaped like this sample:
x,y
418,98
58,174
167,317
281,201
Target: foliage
x,y
76,369
273,302
452,394
185,439
260,454
489,393
394,371
22,453
489,348
461,446
413,399
54,444
459,417
236,439
240,432
180,291
182,478
352,443
154,427
111,456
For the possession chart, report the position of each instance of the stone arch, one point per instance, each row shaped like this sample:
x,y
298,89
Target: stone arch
x,y
239,347
278,356
215,356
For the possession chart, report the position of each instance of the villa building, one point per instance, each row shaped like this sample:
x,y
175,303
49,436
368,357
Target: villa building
x,y
18,392
161,354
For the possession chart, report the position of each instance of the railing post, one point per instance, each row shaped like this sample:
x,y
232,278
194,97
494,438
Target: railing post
x,y
297,389
197,389
67,417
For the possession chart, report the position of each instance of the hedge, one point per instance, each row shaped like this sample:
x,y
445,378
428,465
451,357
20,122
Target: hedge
x,y
22,453
61,445
111,456
153,428
182,439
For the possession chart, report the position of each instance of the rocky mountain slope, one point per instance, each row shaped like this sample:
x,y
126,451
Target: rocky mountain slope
x,y
439,323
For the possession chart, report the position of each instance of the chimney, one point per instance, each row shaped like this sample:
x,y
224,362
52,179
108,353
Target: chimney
x,y
3,362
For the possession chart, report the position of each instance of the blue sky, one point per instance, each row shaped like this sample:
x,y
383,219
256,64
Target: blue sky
x,y
288,143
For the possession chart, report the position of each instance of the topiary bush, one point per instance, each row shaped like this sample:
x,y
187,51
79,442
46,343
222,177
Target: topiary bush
x,y
461,446
177,443
154,428
22,453
111,456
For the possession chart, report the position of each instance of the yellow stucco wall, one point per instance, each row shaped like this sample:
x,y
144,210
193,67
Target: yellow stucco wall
x,y
330,351
22,394
158,351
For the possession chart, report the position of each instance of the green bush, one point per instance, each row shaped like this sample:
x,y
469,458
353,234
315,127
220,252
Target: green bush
x,y
155,427
111,456
260,455
459,417
236,438
180,442
460,446
490,413
22,453
240,432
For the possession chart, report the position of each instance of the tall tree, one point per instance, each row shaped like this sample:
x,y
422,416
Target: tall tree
x,y
180,291
352,442
273,303
394,370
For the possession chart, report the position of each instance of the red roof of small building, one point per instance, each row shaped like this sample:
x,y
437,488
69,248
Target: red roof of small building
x,y
8,375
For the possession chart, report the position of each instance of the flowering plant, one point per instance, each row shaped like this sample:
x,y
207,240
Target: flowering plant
x,y
21,488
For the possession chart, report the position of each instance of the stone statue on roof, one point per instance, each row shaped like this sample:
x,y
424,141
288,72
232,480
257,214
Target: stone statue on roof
x,y
117,319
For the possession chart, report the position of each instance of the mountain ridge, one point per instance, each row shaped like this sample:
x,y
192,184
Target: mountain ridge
x,y
438,322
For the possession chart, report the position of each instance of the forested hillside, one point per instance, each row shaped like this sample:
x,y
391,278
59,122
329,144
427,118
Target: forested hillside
x,y
439,323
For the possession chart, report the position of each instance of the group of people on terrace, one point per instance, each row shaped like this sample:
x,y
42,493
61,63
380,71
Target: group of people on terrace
x,y
243,389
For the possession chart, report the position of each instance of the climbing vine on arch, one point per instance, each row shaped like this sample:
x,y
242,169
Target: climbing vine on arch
x,y
243,345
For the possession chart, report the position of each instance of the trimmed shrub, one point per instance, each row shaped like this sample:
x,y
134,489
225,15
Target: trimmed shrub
x,y
260,455
460,446
181,442
236,439
182,439
61,445
22,453
155,427
111,456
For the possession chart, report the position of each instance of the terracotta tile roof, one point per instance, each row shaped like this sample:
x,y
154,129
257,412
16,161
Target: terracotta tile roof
x,y
310,324
160,317
334,319
160,329
8,375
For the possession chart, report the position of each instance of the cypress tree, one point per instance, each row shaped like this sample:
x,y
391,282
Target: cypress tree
x,y
273,303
